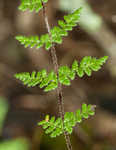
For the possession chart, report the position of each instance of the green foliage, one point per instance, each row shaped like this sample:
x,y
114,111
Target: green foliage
x,y
65,74
41,78
35,41
55,127
31,5
57,33
70,20
87,65
28,41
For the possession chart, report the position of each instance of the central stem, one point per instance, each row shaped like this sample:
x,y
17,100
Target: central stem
x,y
59,89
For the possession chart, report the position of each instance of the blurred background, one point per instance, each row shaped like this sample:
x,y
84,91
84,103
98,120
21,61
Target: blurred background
x,y
21,107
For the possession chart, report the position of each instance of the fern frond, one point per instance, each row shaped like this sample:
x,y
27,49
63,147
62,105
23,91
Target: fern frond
x,y
57,32
49,81
65,74
32,5
55,127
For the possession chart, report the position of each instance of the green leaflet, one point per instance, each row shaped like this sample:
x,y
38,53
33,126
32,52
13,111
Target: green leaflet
x,y
39,78
29,41
70,20
65,74
35,41
86,66
57,32
54,127
89,64
32,5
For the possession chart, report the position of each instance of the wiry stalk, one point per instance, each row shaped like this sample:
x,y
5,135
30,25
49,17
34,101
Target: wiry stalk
x,y
59,89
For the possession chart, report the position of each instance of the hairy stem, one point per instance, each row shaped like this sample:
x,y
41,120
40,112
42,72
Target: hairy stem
x,y
59,89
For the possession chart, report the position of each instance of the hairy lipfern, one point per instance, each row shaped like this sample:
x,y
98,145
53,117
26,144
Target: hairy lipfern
x,y
65,74
57,32
62,75
55,127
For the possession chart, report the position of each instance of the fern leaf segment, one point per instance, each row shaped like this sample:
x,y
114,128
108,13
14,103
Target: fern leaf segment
x,y
31,5
41,78
54,127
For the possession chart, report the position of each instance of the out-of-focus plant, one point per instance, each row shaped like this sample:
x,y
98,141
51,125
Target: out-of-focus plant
x,y
16,144
60,75
3,111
